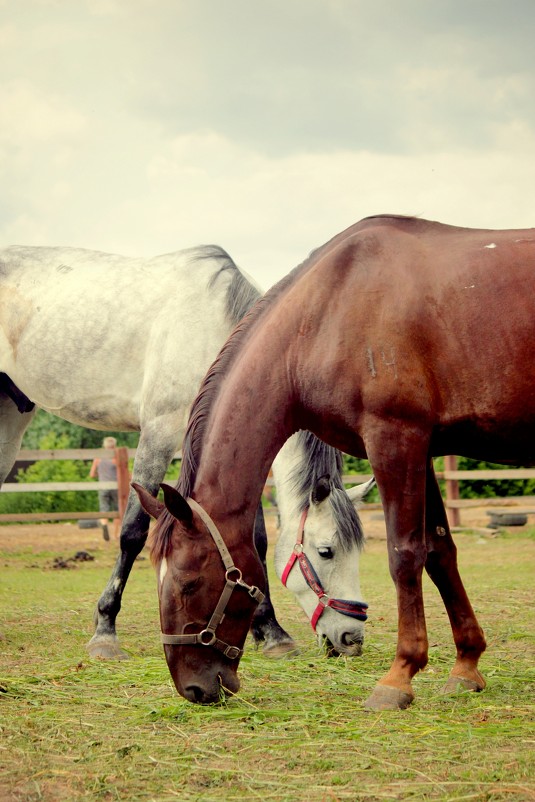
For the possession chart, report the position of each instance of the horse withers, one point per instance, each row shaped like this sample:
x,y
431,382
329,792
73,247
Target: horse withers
x,y
399,340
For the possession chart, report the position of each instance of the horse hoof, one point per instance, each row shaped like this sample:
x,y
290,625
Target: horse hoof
x,y
384,697
106,649
278,649
455,684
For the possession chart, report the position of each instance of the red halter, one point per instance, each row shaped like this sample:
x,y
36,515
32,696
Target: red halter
x,y
354,609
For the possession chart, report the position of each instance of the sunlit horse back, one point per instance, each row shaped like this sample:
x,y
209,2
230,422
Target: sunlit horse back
x,y
399,340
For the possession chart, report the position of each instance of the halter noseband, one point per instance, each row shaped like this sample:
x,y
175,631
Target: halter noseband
x,y
354,609
233,577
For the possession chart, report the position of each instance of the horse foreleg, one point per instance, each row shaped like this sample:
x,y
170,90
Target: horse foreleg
x,y
154,453
441,565
264,627
399,468
134,530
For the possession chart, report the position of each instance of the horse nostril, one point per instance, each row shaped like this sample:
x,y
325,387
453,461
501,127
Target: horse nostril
x,y
194,693
350,639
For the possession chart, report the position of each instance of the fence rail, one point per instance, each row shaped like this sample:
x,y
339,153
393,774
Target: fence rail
x,y
450,475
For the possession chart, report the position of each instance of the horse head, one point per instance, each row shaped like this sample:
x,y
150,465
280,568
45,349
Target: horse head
x,y
324,539
206,605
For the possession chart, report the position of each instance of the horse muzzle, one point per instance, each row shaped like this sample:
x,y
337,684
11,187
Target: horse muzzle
x,y
201,681
347,644
212,692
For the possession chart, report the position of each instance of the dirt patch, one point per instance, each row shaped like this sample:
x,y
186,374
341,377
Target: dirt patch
x,y
54,537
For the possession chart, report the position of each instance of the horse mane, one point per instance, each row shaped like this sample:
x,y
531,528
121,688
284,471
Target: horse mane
x,y
201,407
349,526
241,294
321,460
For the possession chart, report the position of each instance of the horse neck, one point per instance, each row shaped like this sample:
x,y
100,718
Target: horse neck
x,y
244,434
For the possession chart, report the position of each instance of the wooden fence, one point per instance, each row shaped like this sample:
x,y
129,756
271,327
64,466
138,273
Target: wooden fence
x,y
450,475
122,485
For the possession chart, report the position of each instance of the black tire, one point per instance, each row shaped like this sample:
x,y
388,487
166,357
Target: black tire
x,y
498,519
88,523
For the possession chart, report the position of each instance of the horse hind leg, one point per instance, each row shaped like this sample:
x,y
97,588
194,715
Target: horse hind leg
x,y
441,565
264,627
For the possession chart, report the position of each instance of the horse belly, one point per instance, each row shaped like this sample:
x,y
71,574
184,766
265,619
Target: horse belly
x,y
494,438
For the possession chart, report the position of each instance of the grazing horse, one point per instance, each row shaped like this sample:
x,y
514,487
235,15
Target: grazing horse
x,y
400,339
118,343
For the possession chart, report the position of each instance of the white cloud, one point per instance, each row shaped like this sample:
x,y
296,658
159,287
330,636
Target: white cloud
x,y
146,127
28,116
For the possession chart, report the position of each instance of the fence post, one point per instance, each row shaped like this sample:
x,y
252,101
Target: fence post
x,y
452,492
123,479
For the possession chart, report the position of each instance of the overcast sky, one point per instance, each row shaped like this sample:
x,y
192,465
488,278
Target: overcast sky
x,y
146,126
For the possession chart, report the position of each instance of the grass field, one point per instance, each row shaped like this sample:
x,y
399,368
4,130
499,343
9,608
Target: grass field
x,y
73,729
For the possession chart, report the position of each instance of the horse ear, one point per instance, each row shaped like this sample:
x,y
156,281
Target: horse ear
x,y
148,502
358,492
321,490
177,505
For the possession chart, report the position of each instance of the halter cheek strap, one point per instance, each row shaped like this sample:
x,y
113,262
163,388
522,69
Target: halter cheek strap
x,y
233,578
353,609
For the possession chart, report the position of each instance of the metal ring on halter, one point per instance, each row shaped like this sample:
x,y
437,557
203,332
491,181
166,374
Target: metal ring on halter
x,y
210,634
232,568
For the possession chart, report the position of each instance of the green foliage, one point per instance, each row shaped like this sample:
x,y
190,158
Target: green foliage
x,y
50,432
484,488
355,465
44,424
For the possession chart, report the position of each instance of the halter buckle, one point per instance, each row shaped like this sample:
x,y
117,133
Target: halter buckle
x,y
232,652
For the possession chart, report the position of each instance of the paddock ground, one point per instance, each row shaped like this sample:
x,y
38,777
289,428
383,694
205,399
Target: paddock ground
x,y
79,730
68,536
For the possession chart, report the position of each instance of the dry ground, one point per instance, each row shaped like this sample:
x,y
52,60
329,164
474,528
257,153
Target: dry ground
x,y
69,537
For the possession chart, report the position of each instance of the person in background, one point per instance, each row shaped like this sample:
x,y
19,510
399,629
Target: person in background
x,y
105,470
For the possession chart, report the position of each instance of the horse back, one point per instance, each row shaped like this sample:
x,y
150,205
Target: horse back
x,y
415,320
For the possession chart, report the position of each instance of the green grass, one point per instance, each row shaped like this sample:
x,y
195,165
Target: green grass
x,y
73,729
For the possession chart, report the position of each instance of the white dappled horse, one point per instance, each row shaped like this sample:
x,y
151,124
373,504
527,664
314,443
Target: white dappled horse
x,y
121,344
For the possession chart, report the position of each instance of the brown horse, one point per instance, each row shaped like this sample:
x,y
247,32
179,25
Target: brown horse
x,y
398,340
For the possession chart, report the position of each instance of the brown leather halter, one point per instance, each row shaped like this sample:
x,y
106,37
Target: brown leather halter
x,y
233,578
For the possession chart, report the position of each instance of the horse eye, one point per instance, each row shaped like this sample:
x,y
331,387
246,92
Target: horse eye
x,y
190,587
325,552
